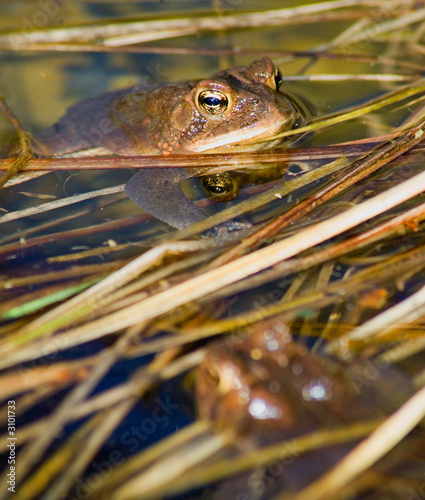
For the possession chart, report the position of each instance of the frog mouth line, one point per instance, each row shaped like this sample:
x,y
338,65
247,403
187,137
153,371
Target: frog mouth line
x,y
240,137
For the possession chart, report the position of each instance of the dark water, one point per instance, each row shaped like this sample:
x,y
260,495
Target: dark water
x,y
39,86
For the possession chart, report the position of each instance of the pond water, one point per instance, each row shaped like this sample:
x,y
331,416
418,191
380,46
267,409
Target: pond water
x,y
87,370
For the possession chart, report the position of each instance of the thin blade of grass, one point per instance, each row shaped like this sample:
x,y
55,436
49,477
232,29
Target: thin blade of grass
x,y
383,439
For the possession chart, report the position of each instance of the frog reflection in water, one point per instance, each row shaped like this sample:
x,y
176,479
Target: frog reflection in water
x,y
266,388
222,114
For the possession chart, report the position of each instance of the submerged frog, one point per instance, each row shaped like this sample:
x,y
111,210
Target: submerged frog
x,y
266,389
224,113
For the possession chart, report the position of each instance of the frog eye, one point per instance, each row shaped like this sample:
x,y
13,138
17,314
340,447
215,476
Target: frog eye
x,y
213,102
278,79
220,187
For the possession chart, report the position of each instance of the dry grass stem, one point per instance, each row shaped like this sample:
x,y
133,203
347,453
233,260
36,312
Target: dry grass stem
x,y
383,439
408,311
227,274
141,31
97,294
396,226
250,460
64,202
145,458
24,142
107,313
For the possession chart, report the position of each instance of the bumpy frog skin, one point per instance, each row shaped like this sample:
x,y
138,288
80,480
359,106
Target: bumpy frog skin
x,y
265,388
222,114
269,384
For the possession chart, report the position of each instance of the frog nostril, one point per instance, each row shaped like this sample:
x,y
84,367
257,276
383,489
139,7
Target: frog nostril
x,y
212,376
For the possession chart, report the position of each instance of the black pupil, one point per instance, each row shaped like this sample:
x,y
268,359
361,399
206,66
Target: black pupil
x,y
217,189
278,79
212,101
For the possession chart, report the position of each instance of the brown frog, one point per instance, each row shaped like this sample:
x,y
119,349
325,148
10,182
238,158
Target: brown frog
x,y
266,388
224,113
